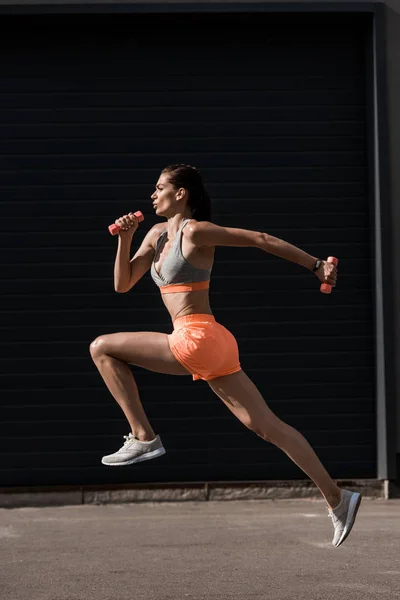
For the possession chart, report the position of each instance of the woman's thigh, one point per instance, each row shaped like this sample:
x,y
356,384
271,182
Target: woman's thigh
x,y
147,349
243,398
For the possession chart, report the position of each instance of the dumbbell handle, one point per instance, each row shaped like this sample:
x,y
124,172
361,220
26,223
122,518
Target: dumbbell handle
x,y
114,228
325,287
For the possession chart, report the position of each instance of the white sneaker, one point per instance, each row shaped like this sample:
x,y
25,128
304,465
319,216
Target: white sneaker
x,y
134,451
344,515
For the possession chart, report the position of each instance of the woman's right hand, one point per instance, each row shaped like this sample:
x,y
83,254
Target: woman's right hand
x,y
128,225
327,273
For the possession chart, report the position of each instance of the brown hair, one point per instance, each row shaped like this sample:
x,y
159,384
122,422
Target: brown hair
x,y
188,177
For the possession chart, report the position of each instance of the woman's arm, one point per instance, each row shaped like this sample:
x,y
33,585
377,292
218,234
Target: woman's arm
x,y
205,233
128,272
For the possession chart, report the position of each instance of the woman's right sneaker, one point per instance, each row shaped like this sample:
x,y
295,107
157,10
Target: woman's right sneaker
x,y
344,515
134,451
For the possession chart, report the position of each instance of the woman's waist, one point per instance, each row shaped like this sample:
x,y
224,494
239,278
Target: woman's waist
x,y
188,306
186,302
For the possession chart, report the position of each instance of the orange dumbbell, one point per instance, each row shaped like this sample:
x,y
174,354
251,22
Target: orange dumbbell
x,y
114,228
325,287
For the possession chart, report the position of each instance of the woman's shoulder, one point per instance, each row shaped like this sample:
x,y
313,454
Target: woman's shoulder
x,y
158,228
155,233
193,227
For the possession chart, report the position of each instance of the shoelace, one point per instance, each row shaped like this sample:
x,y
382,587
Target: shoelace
x,y
128,439
330,511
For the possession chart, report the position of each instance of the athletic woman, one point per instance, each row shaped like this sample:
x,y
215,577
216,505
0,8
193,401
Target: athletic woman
x,y
180,255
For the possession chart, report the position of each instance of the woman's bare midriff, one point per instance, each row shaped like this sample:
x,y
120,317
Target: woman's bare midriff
x,y
182,304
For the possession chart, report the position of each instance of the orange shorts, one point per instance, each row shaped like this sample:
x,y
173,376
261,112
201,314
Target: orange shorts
x,y
204,347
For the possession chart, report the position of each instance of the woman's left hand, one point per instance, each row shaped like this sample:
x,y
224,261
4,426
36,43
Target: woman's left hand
x,y
327,273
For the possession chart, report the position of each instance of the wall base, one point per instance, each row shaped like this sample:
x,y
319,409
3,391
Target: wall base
x,y
188,492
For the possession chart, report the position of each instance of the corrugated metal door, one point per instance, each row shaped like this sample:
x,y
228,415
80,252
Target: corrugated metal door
x,y
272,110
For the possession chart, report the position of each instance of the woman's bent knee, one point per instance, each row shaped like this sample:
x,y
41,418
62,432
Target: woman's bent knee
x,y
98,346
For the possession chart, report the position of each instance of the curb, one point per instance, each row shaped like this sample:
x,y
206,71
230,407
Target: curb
x,y
187,492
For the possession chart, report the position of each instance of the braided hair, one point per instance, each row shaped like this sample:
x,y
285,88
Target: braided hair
x,y
188,177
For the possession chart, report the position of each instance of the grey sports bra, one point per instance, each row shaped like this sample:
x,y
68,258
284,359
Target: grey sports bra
x,y
175,268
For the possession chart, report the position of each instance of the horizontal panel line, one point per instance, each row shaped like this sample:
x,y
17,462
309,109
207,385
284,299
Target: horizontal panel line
x,y
203,152
100,388
243,339
134,185
258,370
149,403
79,113
240,276
260,105
101,263
232,448
216,277
199,403
197,418
224,108
208,138
138,292
228,417
243,354
232,201
225,215
193,433
132,169
346,87
184,465
147,309
69,248
267,448
91,248
193,76
52,327
335,229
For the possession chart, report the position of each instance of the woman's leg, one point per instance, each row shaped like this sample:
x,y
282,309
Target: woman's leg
x,y
242,397
150,350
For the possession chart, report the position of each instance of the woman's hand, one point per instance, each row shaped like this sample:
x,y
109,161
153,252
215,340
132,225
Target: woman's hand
x,y
128,225
327,273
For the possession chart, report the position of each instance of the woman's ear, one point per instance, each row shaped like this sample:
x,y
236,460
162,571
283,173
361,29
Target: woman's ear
x,y
180,193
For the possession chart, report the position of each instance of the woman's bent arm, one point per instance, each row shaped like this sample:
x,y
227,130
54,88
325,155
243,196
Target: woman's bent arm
x,y
128,272
122,266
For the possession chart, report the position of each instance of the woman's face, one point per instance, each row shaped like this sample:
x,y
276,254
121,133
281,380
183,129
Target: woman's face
x,y
165,196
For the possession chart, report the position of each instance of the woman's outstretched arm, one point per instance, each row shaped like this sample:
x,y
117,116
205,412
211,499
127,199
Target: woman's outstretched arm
x,y
205,233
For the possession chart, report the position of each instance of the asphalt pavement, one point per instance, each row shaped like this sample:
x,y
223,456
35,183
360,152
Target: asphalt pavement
x,y
198,550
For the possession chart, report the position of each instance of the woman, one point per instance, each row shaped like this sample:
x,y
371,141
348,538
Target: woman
x,y
180,255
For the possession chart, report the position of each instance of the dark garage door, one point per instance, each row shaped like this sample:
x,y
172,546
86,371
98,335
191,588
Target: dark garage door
x,y
272,110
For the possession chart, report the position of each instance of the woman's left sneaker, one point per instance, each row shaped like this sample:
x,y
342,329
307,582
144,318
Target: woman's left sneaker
x,y
344,515
134,451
